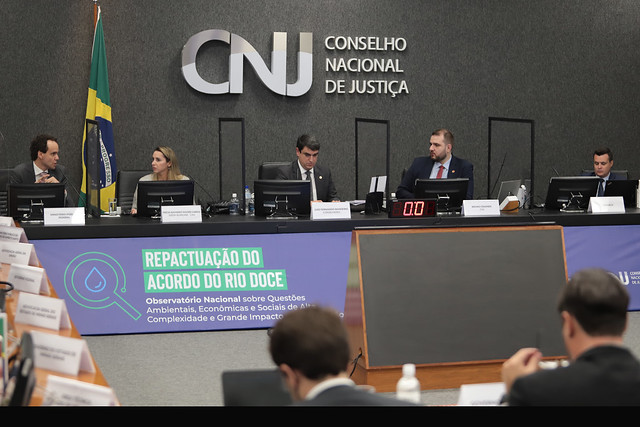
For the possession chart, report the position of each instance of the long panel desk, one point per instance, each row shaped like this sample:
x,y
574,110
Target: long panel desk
x,y
237,272
127,226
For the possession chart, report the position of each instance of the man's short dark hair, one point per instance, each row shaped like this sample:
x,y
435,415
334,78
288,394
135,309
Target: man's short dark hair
x,y
312,340
446,133
602,151
39,144
598,301
308,141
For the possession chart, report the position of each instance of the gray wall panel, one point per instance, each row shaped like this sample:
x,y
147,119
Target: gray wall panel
x,y
571,66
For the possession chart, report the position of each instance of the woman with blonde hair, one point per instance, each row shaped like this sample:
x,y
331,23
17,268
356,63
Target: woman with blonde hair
x,y
165,167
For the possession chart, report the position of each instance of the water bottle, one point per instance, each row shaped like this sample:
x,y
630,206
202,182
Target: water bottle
x,y
252,205
234,205
408,387
247,199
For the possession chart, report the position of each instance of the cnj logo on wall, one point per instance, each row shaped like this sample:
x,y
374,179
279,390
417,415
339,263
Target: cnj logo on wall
x,y
274,78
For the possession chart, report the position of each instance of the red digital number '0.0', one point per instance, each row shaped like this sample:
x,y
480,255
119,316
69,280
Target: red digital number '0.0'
x,y
413,208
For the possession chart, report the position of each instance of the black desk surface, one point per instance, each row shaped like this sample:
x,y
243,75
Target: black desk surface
x,y
127,226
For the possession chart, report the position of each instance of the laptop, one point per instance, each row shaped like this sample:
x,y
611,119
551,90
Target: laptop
x,y
254,388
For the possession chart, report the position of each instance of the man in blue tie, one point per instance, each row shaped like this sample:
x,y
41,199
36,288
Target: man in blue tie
x,y
440,163
602,164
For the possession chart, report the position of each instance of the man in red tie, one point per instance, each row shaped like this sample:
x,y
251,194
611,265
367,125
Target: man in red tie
x,y
441,163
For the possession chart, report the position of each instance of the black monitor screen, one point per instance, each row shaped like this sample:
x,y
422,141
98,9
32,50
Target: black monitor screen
x,y
154,194
571,193
27,201
282,199
449,193
625,188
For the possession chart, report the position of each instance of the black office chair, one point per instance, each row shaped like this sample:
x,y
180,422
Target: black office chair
x,y
126,184
269,170
621,172
4,195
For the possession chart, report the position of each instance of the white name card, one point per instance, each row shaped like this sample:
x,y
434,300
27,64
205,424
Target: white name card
x,y
61,391
607,204
481,207
12,234
18,253
42,311
185,213
330,210
488,394
7,221
61,354
27,278
64,216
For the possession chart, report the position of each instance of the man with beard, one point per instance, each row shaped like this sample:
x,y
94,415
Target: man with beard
x,y
439,164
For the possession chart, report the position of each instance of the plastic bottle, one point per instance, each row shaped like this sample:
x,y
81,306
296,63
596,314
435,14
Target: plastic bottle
x,y
247,199
252,205
234,205
408,387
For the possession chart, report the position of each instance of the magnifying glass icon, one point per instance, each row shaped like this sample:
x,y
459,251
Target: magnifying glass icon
x,y
95,280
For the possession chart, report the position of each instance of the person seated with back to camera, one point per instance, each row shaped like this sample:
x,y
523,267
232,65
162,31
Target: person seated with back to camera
x,y
165,166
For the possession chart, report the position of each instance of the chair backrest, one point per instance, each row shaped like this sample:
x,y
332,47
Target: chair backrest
x,y
620,172
126,184
4,196
269,170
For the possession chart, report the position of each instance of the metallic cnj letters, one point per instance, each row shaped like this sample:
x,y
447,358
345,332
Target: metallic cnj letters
x,y
275,79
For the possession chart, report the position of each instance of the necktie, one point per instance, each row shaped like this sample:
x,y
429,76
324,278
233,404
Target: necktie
x,y
308,175
440,172
601,188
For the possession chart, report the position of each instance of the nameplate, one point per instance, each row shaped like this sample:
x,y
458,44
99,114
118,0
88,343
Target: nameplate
x,y
64,216
7,221
42,311
607,204
27,278
182,213
61,354
488,394
480,207
330,210
18,253
61,391
13,234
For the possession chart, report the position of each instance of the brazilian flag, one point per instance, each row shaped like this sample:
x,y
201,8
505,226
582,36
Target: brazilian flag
x,y
99,109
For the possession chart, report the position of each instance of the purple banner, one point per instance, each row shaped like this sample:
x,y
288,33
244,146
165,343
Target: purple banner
x,y
168,284
615,248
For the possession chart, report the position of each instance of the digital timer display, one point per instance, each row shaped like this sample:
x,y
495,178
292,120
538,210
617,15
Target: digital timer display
x,y
412,208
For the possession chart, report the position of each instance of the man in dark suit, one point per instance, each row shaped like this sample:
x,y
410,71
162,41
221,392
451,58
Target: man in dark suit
x,y
440,163
43,167
593,307
602,164
306,167
310,346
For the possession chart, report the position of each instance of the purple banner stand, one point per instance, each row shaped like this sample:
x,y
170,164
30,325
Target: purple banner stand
x,y
615,248
169,284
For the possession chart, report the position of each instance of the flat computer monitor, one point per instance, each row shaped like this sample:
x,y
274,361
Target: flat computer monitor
x,y
508,188
282,199
448,193
625,188
571,193
27,201
152,195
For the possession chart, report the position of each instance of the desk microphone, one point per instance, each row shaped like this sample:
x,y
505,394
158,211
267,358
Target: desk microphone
x,y
207,210
499,173
70,183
